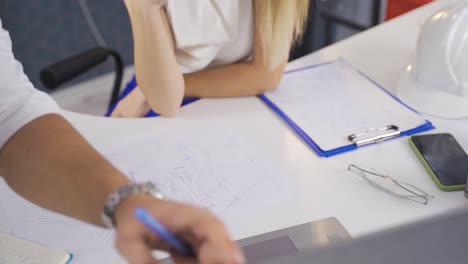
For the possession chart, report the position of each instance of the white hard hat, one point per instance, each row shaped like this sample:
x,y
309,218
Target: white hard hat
x,y
436,83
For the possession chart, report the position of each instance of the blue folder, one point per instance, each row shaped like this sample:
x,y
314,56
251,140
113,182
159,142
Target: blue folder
x,y
332,152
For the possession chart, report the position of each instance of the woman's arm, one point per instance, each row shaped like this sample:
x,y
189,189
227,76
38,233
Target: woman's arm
x,y
158,74
235,80
239,79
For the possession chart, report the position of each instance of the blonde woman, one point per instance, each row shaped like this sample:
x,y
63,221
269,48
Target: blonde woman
x,y
207,48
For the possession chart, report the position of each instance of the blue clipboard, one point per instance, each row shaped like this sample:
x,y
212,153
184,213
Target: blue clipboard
x,y
339,150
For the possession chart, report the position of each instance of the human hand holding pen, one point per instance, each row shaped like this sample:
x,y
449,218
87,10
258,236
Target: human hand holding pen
x,y
198,227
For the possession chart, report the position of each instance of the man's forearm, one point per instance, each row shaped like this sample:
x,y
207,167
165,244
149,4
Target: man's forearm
x,y
49,163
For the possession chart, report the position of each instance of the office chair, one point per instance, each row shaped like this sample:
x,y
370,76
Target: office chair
x,y
331,18
322,21
61,72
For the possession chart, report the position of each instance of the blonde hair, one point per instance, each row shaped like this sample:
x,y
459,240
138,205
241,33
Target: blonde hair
x,y
280,24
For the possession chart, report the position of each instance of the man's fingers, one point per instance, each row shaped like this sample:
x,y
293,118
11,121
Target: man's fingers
x,y
136,251
178,259
201,229
216,246
212,242
206,234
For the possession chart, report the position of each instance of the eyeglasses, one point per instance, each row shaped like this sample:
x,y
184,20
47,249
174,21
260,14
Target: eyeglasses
x,y
390,185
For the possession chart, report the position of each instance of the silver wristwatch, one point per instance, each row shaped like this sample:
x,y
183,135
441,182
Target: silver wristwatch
x,y
117,196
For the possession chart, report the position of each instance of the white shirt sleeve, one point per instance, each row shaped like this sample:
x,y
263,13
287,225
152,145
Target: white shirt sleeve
x,y
20,102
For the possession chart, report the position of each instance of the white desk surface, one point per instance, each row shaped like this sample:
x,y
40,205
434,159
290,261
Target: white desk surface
x,y
324,187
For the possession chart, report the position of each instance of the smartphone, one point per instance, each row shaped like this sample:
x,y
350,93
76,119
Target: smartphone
x,y
443,158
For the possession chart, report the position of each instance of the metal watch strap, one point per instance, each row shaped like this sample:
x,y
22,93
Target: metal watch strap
x,y
117,196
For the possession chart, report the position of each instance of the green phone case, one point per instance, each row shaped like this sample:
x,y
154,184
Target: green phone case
x,y
441,186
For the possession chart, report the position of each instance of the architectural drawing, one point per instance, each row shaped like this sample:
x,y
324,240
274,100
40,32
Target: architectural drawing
x,y
212,176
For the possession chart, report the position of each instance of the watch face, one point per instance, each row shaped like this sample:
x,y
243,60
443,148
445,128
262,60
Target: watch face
x,y
120,194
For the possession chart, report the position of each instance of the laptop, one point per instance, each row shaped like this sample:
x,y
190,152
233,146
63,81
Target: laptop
x,y
291,241
434,241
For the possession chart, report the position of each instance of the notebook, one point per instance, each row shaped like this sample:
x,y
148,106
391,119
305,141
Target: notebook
x,y
15,250
335,108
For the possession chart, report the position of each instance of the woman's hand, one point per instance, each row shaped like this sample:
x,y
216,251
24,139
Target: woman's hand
x,y
198,227
133,105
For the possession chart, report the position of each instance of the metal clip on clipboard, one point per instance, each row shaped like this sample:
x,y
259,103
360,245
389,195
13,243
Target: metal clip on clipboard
x,y
393,132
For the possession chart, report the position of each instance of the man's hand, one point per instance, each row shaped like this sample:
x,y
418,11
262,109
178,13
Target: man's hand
x,y
133,105
203,231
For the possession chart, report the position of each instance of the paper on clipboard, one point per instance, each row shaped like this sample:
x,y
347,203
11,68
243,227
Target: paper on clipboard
x,y
332,101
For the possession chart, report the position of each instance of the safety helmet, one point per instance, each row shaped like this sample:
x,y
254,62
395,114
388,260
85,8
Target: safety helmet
x,y
436,82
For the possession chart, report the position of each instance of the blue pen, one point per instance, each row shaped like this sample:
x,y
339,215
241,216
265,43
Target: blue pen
x,y
170,239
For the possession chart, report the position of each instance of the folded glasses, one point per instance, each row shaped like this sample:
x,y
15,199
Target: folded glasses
x,y
391,186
